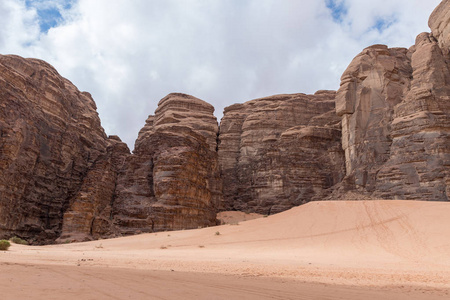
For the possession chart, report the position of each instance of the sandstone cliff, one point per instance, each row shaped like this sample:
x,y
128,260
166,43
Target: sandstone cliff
x,y
90,211
373,84
395,112
279,152
62,178
419,162
172,180
394,108
50,137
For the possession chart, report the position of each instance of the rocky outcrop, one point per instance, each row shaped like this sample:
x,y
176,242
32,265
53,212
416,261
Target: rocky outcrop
x,y
395,108
172,180
90,211
419,162
373,84
50,137
62,178
439,22
279,152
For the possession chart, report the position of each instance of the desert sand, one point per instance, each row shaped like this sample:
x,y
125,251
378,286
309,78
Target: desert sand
x,y
320,250
234,217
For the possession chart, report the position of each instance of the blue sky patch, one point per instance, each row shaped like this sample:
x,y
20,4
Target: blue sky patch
x,y
382,23
49,12
338,9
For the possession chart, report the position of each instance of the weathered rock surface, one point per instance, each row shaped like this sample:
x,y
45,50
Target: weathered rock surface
x,y
172,180
373,84
62,178
279,152
50,137
439,22
90,211
419,162
395,108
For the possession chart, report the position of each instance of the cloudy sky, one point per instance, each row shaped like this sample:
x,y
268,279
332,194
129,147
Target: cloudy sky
x,y
131,53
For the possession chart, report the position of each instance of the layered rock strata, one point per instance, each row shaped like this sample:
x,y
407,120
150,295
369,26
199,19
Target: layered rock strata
x,y
419,162
172,180
90,211
395,108
50,136
62,178
279,152
373,84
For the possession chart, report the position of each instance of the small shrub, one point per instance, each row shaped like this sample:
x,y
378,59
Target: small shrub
x,y
18,240
4,245
217,233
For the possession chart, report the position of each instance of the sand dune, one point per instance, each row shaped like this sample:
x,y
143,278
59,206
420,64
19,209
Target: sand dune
x,y
234,217
341,248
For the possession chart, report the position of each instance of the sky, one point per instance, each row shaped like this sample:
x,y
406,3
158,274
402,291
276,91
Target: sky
x,y
129,54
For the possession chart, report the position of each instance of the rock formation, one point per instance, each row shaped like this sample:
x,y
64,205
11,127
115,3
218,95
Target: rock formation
x,y
439,23
279,152
62,178
172,180
90,214
50,137
385,133
395,112
373,84
419,162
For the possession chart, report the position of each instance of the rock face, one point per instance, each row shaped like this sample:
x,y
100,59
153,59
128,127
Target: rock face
x,y
419,162
395,108
373,84
279,152
90,211
172,180
439,23
50,137
62,178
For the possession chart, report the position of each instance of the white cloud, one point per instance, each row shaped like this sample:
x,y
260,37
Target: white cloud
x,y
18,27
130,54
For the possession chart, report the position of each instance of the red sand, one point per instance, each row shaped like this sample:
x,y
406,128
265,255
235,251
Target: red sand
x,y
321,250
235,217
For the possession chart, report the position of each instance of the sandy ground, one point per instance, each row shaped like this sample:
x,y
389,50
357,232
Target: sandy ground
x,y
321,250
235,217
